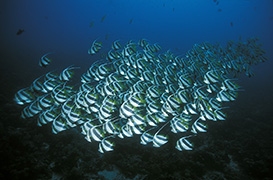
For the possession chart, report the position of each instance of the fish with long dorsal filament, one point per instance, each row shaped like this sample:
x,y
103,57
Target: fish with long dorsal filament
x,y
139,91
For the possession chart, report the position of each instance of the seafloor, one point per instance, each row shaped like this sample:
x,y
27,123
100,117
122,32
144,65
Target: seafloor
x,y
236,149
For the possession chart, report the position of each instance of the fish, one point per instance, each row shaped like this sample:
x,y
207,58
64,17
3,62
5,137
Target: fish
x,y
131,20
184,144
111,55
216,2
20,31
143,43
116,45
95,47
67,73
103,18
24,96
44,60
139,90
231,24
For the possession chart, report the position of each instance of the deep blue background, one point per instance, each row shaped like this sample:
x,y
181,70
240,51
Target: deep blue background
x,y
62,26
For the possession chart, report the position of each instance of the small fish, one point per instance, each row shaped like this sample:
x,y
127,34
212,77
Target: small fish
x,y
96,133
126,131
184,144
146,138
96,46
199,126
211,77
131,20
24,96
20,31
106,145
219,10
157,47
231,24
38,85
159,140
59,124
219,115
228,84
67,73
142,43
31,110
47,116
51,76
116,45
46,101
111,56
103,18
179,125
44,60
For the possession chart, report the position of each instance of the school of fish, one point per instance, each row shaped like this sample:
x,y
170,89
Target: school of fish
x,y
136,90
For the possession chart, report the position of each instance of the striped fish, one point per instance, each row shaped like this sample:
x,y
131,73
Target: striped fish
x,y
136,90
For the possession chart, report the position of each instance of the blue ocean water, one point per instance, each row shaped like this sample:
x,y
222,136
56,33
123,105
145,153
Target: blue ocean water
x,y
68,28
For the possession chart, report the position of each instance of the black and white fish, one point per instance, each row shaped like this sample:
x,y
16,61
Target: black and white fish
x,y
138,90
44,60
95,47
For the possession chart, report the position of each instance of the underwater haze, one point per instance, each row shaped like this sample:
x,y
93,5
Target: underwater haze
x,y
172,33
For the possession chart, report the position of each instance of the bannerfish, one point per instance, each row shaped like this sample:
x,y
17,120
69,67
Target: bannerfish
x,y
44,60
95,47
116,45
143,92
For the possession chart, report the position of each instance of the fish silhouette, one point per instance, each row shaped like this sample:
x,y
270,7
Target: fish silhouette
x,y
20,31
